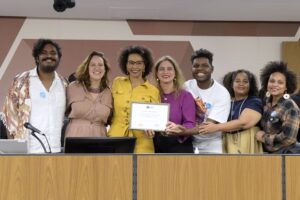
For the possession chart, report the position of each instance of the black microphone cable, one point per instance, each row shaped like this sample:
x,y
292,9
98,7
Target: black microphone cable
x,y
40,141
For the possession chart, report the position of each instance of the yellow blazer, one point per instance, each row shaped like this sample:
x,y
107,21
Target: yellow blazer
x,y
123,95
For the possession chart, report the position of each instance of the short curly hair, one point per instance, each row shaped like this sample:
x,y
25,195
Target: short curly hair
x,y
39,46
229,79
202,53
144,52
281,67
82,72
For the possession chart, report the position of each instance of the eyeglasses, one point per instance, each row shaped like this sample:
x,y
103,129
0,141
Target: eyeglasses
x,y
138,63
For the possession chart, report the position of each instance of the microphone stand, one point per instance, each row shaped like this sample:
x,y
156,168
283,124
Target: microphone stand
x,y
40,141
43,134
35,130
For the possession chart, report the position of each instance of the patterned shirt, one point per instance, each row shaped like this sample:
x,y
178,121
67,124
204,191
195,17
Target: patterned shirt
x,y
280,124
17,105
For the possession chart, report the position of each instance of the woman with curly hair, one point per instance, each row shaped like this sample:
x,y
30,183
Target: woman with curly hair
x,y
245,113
89,99
280,120
136,63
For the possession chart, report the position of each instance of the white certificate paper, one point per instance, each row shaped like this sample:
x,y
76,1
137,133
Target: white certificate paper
x,y
149,116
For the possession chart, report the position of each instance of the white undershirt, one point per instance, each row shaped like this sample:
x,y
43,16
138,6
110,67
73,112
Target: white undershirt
x,y
47,112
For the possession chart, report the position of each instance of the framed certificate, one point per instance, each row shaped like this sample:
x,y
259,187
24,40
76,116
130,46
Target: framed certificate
x,y
149,116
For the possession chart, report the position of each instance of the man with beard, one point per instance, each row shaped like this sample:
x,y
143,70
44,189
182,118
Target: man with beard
x,y
213,104
38,97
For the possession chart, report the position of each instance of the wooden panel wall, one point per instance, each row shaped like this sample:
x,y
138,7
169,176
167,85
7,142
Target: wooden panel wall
x,y
291,55
209,177
65,177
292,177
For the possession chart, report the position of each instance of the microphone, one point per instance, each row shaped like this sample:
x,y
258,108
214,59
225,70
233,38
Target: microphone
x,y
32,128
35,130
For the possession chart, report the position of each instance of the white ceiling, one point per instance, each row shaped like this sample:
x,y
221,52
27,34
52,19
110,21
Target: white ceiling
x,y
220,10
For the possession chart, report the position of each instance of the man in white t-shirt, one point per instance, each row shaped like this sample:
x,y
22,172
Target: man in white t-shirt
x,y
38,97
212,99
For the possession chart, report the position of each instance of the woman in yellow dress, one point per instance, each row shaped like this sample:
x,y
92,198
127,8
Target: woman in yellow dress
x,y
136,63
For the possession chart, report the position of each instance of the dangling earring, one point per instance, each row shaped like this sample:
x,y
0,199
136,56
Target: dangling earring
x,y
286,95
157,80
268,94
174,79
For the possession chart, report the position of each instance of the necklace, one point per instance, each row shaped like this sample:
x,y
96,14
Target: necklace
x,y
240,109
94,90
236,137
165,97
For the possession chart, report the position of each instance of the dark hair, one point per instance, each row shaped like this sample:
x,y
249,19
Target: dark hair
x,y
82,72
144,52
202,53
229,79
281,67
39,46
72,77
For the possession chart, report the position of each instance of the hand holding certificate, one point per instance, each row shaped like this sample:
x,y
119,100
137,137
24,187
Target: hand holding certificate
x,y
149,116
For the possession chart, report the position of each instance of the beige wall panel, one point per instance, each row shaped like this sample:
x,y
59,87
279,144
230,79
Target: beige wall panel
x,y
65,177
292,177
209,177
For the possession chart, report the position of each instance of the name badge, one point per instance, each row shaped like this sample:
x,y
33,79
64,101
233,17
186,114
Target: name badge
x,y
43,94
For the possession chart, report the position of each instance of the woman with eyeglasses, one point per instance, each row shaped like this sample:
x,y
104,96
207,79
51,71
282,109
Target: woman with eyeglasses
x,y
280,120
136,63
89,99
